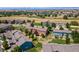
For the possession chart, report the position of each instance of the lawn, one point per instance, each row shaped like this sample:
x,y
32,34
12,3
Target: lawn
x,y
59,41
37,24
74,27
37,48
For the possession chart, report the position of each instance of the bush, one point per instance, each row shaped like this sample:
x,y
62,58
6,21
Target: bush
x,y
28,20
74,23
17,49
2,31
5,45
75,36
67,39
65,17
43,36
38,45
34,39
53,25
68,25
61,28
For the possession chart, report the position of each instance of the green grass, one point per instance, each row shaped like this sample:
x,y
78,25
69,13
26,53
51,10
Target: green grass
x,y
32,50
59,41
74,27
37,24
73,18
37,48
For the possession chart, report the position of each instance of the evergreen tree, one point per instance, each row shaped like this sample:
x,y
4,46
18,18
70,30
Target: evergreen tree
x,y
67,39
65,17
17,49
5,45
75,36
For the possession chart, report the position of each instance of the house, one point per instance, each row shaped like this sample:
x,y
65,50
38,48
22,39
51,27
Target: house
x,y
61,33
22,41
39,30
10,38
5,26
17,38
60,23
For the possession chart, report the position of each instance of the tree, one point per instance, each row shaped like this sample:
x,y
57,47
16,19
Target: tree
x,y
43,36
6,21
0,21
55,15
49,28
38,45
32,36
24,22
75,36
4,38
67,39
17,49
53,25
28,20
36,32
13,22
47,32
68,25
42,25
74,23
65,17
32,24
5,45
2,31
26,32
34,39
30,32
75,15
61,28
47,23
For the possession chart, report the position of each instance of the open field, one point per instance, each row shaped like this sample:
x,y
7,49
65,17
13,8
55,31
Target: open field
x,y
37,19
74,27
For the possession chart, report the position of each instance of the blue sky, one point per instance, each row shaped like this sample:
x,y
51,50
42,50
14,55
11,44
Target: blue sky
x,y
39,3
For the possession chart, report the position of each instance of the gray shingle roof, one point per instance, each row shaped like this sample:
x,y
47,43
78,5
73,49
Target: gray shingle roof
x,y
62,31
20,37
39,29
3,26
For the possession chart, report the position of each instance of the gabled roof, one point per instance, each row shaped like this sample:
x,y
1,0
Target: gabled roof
x,y
22,40
8,34
62,31
39,29
4,25
20,37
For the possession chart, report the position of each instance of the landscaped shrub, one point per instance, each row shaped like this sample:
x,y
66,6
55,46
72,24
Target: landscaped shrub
x,y
65,17
74,23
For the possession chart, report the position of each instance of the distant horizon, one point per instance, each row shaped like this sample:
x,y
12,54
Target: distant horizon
x,y
38,8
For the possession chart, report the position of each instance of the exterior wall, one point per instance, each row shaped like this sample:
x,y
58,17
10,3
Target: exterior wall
x,y
60,48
